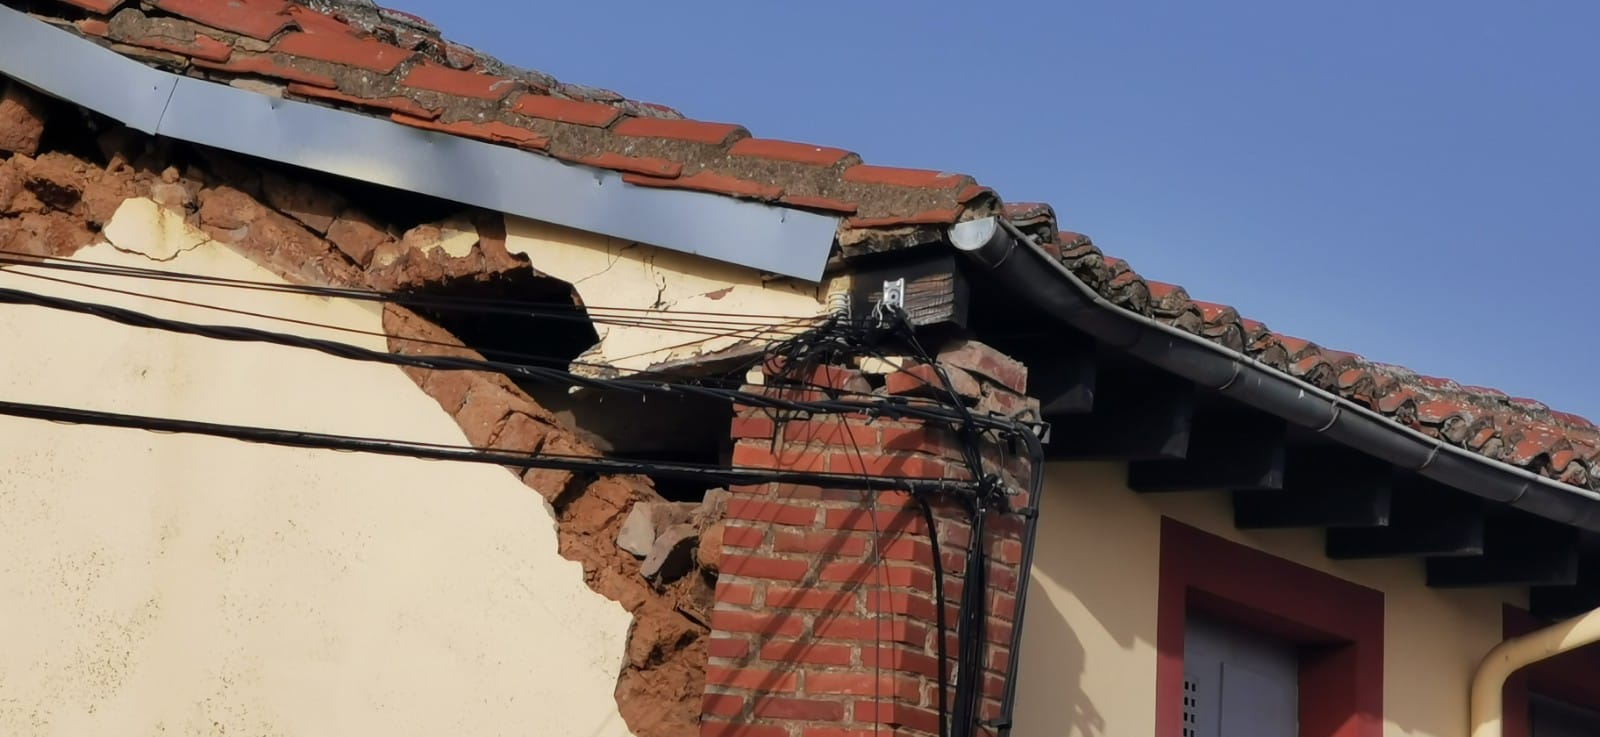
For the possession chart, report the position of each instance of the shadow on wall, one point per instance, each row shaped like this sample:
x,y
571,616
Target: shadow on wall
x,y
1088,651
1050,676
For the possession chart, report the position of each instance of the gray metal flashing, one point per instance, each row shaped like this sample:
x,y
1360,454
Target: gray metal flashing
x,y
1021,264
776,240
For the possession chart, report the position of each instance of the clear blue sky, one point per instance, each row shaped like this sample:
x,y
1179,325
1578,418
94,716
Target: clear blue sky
x,y
1418,181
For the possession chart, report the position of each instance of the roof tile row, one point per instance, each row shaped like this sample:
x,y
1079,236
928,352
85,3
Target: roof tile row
x,y
353,55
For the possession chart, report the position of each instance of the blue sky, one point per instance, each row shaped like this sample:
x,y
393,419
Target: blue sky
x,y
1418,182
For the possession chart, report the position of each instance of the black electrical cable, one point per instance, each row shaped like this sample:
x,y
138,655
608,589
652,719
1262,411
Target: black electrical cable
x,y
526,357
940,625
960,416
442,452
891,407
415,299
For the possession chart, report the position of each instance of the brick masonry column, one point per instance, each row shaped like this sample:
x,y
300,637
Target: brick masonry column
x,y
824,623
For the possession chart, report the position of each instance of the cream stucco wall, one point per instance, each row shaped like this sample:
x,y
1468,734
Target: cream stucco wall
x,y
1089,651
165,584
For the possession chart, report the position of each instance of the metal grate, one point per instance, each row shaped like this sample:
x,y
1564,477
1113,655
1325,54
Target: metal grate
x,y
1190,707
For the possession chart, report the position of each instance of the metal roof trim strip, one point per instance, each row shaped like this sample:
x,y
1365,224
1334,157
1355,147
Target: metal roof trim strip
x,y
768,238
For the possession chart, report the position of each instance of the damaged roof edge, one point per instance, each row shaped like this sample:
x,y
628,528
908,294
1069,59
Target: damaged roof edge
x,y
1018,262
768,238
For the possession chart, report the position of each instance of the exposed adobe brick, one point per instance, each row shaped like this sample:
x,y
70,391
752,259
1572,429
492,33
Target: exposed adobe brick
x,y
404,105
23,114
491,131
577,112
645,165
268,66
436,78
362,53
259,19
693,131
799,153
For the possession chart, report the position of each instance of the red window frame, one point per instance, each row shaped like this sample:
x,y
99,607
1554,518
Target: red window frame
x,y
1572,677
1338,626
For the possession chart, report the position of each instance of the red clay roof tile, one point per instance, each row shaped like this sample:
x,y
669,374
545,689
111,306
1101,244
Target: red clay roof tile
x,y
819,203
694,131
362,53
266,65
436,78
648,166
202,47
392,104
103,7
710,182
565,111
1561,446
493,132
920,178
799,153
926,217
260,19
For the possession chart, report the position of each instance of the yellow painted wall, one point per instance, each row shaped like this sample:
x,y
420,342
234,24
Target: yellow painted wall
x,y
175,585
1089,650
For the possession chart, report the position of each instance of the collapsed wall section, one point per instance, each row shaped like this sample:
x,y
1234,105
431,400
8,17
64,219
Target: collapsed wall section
x,y
62,182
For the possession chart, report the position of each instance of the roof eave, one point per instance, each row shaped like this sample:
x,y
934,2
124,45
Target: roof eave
x,y
1013,258
756,235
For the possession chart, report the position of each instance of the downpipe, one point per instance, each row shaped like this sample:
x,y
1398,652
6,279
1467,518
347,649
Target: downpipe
x,y
1486,701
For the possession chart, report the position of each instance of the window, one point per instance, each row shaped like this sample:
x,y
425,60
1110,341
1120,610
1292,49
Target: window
x,y
1550,718
1304,648
1238,683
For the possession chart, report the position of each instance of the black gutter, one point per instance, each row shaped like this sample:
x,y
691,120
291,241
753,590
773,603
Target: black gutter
x,y
1018,262
1012,257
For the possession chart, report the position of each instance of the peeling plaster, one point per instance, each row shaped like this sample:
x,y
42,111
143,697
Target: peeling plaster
x,y
609,273
140,226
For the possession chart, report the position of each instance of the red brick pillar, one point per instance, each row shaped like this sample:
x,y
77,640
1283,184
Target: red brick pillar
x,y
824,623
